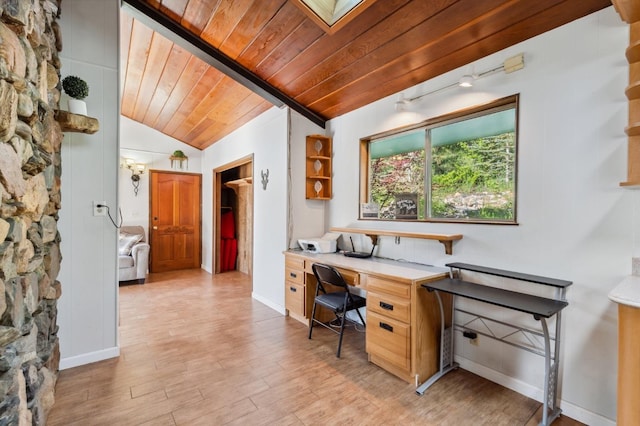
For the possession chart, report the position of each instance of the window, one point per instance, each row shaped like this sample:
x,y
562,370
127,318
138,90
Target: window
x,y
460,167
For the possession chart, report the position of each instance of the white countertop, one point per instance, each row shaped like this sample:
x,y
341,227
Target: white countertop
x,y
376,266
627,292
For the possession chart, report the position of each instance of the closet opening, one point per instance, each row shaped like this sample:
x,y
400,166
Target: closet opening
x,y
233,217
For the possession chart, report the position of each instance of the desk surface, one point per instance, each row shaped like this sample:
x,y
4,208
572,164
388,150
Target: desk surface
x,y
537,306
377,266
510,274
627,292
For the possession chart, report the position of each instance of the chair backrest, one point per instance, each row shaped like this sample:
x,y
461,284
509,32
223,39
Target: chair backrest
x,y
326,274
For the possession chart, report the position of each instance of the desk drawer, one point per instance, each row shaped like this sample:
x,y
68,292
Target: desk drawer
x,y
389,306
294,275
350,277
379,285
294,262
388,339
294,298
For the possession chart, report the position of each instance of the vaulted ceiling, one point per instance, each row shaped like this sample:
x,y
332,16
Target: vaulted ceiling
x,y
390,46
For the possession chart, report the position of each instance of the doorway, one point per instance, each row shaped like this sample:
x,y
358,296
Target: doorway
x,y
174,220
233,216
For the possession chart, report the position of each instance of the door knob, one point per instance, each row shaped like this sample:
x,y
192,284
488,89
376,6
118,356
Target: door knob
x,y
155,227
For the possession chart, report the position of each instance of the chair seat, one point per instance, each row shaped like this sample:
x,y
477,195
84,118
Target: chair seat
x,y
125,262
335,301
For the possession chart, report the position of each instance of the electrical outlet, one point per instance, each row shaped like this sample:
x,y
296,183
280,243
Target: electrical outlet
x,y
99,211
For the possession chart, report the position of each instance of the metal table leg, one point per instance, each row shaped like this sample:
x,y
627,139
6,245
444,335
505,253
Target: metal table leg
x,y
446,348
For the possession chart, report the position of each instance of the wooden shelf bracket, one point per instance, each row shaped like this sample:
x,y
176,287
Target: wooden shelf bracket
x,y
448,246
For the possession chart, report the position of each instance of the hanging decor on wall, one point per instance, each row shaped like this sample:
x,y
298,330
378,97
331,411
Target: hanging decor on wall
x,y
265,178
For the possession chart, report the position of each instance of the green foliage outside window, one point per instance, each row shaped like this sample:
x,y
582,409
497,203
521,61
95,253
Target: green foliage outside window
x,y
397,174
474,179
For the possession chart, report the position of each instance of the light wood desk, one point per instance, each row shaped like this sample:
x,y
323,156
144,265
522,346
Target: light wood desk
x,y
403,319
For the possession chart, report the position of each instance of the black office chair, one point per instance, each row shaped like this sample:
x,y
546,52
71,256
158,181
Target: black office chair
x,y
340,302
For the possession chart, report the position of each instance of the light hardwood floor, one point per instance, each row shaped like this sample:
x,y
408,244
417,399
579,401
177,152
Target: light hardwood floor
x,y
196,349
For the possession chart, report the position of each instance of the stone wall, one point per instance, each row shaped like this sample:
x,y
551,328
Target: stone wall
x,y
30,140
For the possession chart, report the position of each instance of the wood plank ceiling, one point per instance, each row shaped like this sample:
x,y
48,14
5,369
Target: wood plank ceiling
x,y
390,46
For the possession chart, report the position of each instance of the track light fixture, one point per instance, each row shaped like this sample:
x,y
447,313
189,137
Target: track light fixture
x,y
402,103
466,81
510,65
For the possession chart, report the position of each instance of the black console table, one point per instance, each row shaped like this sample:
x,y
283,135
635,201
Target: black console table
x,y
540,307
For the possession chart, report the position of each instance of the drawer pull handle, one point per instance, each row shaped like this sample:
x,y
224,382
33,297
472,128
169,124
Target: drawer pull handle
x,y
387,306
386,326
293,275
293,289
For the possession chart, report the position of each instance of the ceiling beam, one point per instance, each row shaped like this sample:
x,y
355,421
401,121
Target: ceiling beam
x,y
173,31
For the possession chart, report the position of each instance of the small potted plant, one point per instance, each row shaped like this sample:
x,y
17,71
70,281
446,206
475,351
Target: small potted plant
x,y
178,156
77,89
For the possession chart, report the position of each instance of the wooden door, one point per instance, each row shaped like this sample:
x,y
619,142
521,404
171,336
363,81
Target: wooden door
x,y
175,221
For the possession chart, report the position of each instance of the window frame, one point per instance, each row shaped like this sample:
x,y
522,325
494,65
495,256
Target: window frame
x,y
494,106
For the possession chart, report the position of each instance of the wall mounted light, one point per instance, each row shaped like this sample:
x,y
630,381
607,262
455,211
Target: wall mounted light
x,y
136,169
510,65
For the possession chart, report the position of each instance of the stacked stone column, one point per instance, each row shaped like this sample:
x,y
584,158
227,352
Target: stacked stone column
x,y
30,141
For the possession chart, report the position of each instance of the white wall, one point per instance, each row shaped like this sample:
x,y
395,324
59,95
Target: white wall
x,y
575,222
87,310
152,148
307,218
265,138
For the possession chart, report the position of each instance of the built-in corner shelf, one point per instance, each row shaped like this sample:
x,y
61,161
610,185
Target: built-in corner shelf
x,y
78,123
629,11
630,185
318,168
633,51
446,239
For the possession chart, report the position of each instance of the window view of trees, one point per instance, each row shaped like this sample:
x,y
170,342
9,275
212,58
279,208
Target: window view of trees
x,y
469,174
396,174
474,179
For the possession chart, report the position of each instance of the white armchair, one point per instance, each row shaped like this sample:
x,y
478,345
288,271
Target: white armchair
x,y
133,255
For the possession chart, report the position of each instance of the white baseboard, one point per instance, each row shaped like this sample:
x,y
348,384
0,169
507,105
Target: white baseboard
x,y
269,303
585,416
88,358
206,268
568,409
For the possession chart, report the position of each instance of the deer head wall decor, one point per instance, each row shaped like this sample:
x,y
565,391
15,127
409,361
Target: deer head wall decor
x,y
265,179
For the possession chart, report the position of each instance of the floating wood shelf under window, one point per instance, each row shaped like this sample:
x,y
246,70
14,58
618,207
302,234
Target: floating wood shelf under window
x,y
77,123
446,239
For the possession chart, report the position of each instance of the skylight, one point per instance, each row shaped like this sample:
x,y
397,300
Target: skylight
x,y
331,15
